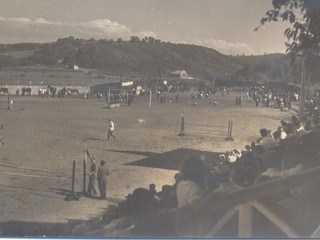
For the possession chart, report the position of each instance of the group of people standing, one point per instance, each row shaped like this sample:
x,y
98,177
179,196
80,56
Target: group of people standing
x,y
97,175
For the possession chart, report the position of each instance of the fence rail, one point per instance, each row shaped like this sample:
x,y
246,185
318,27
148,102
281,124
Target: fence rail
x,y
205,129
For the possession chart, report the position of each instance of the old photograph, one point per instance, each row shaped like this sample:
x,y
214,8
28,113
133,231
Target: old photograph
x,y
160,118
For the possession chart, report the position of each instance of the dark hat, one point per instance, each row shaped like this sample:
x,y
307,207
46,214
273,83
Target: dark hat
x,y
102,162
221,172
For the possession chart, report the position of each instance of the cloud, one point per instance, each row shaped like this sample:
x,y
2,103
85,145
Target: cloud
x,y
42,30
229,48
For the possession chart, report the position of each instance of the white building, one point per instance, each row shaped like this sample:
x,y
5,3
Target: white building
x,y
180,74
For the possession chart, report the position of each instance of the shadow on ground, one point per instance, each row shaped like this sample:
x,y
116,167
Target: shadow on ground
x,y
146,154
171,160
68,195
94,139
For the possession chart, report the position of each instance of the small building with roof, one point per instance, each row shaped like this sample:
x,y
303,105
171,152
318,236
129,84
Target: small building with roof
x,y
180,74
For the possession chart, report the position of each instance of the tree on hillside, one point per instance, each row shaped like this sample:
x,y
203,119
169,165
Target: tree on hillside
x,y
303,35
134,39
151,39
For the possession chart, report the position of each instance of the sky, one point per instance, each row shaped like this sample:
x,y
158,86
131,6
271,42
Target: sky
x,y
224,25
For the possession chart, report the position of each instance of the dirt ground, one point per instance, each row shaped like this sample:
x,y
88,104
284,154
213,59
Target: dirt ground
x,y
44,136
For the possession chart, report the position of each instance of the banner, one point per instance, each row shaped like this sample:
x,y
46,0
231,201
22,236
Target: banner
x,y
125,84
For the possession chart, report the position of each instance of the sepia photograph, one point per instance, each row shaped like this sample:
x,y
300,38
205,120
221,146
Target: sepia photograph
x,y
160,118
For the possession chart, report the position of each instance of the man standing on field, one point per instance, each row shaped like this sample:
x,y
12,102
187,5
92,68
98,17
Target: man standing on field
x,y
111,130
102,179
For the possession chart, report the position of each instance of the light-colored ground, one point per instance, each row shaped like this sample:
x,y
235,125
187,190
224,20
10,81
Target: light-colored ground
x,y
48,134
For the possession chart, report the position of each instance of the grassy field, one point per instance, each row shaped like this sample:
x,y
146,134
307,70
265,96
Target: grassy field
x,y
44,136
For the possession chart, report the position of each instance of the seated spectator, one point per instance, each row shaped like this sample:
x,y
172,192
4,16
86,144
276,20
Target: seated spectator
x,y
203,224
138,206
190,187
280,134
222,158
308,125
152,189
293,126
168,197
266,141
270,134
231,157
285,126
224,176
248,148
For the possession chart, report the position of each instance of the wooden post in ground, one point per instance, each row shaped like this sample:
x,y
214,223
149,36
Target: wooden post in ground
x,y
9,108
150,98
109,93
231,128
73,176
182,125
84,177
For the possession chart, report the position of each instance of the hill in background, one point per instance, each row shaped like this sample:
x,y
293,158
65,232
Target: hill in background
x,y
149,57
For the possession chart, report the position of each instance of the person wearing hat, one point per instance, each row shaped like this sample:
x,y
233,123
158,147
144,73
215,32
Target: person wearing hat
x,y
266,141
224,176
102,179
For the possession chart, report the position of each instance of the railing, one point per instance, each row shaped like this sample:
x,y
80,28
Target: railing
x,y
243,202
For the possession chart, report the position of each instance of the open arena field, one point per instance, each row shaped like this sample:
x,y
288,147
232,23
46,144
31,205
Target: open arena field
x,y
43,136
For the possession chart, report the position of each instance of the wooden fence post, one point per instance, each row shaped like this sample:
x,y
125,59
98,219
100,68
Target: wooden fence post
x,y
182,125
245,220
84,177
73,176
230,127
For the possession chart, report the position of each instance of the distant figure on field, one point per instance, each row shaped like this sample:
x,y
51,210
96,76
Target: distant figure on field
x,y
102,179
10,104
216,102
111,130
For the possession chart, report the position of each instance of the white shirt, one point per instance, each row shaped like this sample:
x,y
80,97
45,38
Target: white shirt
x,y
267,143
187,192
283,135
111,126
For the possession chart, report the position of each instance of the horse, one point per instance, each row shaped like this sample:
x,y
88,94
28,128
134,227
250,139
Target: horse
x,y
73,91
62,92
4,90
26,91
